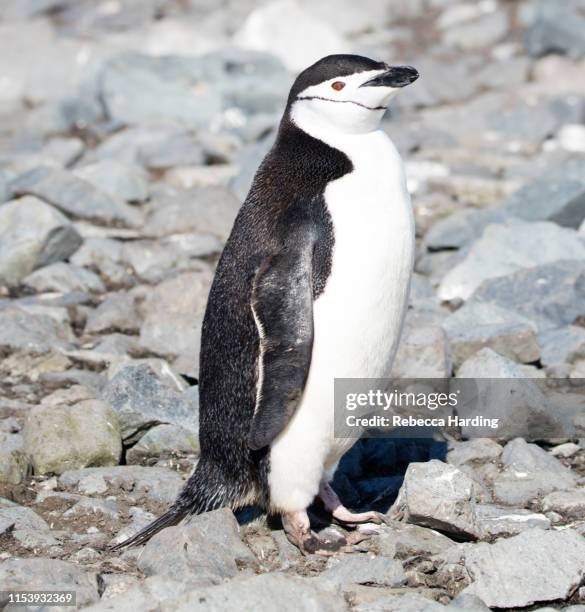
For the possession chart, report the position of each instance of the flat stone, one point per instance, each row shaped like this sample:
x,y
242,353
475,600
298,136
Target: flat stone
x,y
364,569
25,526
125,593
34,234
475,326
157,484
143,400
75,196
561,201
529,473
202,551
117,179
173,315
14,463
551,295
487,30
117,312
163,440
516,401
473,452
293,594
557,29
557,345
89,505
404,541
63,278
105,256
270,28
534,566
209,210
154,146
34,333
506,248
399,602
67,437
423,352
568,503
496,521
49,575
438,496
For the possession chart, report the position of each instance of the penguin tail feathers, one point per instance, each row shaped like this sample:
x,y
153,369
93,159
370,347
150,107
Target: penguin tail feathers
x,y
170,518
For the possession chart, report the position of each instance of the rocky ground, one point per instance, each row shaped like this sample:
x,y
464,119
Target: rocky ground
x,y
129,133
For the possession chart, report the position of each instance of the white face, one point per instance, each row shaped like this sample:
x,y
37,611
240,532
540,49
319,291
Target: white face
x,y
341,104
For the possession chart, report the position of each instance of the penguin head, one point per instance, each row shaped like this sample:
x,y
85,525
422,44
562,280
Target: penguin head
x,y
346,93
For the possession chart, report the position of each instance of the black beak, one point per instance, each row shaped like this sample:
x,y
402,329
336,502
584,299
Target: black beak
x,y
395,76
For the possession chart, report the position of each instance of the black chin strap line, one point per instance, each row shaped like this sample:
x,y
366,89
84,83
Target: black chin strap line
x,y
372,108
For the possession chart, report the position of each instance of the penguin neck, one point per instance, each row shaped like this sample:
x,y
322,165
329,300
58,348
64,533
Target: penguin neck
x,y
316,124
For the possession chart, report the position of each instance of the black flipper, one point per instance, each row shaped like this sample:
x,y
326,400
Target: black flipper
x,y
282,304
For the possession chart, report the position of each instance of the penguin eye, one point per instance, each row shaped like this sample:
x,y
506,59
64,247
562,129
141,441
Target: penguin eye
x,y
338,85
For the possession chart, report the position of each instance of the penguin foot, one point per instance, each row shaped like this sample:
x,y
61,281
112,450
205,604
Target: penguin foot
x,y
339,512
298,530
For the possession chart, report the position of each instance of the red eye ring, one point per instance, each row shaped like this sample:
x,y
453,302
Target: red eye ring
x,y
338,85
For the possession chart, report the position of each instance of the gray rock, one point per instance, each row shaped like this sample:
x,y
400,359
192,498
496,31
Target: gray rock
x,y
507,248
475,326
473,452
438,496
516,401
404,602
534,566
25,526
157,484
483,32
210,210
125,593
117,179
423,352
156,260
496,521
105,507
156,147
364,569
568,503
557,345
273,27
33,235
116,313
34,333
173,314
556,29
551,295
14,463
138,88
205,550
104,255
403,541
461,228
63,278
163,440
140,519
259,594
75,196
49,575
559,200
143,400
529,472
62,438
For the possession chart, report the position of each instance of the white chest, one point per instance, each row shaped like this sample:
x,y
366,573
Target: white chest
x,y
360,313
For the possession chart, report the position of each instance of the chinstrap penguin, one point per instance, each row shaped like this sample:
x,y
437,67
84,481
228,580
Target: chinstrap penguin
x,y
312,285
